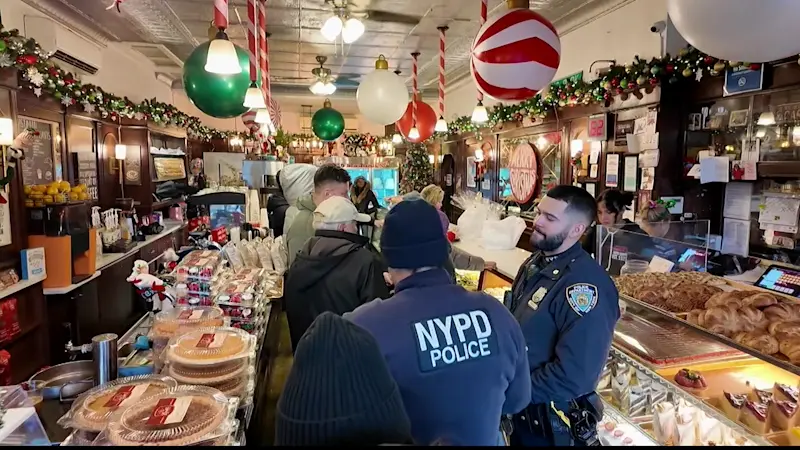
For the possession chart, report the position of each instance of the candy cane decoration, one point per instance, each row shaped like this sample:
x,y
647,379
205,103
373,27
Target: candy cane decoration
x,y
221,14
441,70
484,12
264,51
252,42
414,55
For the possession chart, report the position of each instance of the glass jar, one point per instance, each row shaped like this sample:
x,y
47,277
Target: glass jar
x,y
634,266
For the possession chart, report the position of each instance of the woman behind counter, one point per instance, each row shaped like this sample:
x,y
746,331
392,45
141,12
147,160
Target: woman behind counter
x,y
362,195
611,206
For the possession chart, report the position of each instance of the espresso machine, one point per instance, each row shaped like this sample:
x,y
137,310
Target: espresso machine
x,y
69,241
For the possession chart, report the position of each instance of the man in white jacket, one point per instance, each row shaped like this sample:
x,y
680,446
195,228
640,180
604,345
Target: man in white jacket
x,y
297,180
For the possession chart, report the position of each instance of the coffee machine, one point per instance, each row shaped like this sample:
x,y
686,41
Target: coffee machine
x,y
69,241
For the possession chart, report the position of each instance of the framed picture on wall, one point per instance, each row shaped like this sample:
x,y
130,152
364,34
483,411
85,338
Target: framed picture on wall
x,y
42,163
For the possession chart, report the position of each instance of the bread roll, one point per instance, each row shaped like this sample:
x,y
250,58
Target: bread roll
x,y
784,330
791,348
724,299
758,340
782,312
759,300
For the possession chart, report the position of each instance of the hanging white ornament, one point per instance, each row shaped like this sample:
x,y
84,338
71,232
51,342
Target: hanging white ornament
x,y
37,92
34,76
5,60
88,107
66,100
699,75
139,116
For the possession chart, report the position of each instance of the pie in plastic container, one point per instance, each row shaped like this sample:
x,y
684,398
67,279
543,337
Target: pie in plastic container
x,y
183,415
208,375
167,323
92,410
210,346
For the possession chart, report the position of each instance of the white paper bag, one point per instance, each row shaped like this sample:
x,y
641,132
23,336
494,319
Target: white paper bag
x,y
470,224
502,234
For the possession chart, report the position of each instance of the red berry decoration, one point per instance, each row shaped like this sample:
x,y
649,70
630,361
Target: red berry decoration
x,y
614,82
755,66
670,68
653,81
708,60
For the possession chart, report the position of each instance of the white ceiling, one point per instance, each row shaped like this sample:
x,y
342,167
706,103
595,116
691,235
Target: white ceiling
x,y
394,28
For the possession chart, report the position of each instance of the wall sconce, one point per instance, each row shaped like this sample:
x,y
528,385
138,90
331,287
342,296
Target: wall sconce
x,y
542,142
6,131
766,119
120,152
431,158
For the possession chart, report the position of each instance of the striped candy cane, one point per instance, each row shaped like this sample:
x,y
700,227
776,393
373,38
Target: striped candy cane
x,y
252,42
484,12
264,51
221,14
414,55
441,70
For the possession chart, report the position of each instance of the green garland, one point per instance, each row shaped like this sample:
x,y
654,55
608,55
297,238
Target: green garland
x,y
632,78
43,76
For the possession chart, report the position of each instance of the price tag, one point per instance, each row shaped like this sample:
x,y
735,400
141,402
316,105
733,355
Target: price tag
x,y
661,265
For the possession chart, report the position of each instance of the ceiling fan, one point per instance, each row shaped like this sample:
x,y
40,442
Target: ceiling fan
x,y
347,17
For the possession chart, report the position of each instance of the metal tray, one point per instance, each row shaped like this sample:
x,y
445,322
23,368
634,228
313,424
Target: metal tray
x,y
66,381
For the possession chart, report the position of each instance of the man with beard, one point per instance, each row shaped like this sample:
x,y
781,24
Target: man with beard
x,y
567,307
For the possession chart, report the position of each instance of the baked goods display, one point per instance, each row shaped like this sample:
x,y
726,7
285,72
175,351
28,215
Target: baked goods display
x,y
754,416
682,424
731,404
92,410
184,415
678,292
181,319
783,414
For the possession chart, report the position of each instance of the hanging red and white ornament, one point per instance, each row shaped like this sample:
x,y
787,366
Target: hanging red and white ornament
x,y
249,120
515,54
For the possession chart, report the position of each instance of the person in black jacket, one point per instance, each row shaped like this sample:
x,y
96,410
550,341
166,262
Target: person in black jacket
x,y
276,208
616,248
337,270
363,196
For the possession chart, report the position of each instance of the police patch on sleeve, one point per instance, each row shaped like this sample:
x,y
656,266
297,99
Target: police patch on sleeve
x,y
582,297
446,341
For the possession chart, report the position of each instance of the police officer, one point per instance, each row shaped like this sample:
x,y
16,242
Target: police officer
x,y
458,357
567,307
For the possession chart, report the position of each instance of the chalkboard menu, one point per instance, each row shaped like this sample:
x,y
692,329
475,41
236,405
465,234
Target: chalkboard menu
x,y
38,166
87,173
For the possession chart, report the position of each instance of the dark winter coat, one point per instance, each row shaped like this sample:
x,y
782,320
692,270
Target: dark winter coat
x,y
276,209
364,198
335,271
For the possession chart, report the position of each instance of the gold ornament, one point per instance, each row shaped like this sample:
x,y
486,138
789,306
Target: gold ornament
x,y
687,72
719,66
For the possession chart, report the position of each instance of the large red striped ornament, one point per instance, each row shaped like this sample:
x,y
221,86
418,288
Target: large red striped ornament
x,y
249,120
515,55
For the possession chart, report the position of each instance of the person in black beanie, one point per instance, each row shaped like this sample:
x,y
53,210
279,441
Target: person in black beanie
x,y
339,391
459,357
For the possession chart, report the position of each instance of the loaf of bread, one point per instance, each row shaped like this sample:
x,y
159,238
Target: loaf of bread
x,y
759,300
758,340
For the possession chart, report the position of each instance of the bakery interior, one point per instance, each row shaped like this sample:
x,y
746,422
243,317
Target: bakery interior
x,y
693,106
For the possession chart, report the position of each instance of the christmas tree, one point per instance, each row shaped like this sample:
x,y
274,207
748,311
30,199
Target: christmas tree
x,y
416,171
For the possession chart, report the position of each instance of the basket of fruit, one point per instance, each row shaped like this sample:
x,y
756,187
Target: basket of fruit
x,y
57,192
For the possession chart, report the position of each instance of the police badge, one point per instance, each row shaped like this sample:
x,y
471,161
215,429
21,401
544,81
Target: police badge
x,y
582,298
536,298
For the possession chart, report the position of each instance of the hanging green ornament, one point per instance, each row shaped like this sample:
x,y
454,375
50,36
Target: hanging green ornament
x,y
687,72
624,83
220,96
641,80
607,85
327,123
655,70
3,46
673,80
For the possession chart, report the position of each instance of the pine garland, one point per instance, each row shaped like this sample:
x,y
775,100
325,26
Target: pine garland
x,y
416,171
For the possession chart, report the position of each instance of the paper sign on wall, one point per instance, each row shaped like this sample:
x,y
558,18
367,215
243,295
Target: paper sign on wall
x,y
612,170
594,155
714,169
649,158
598,129
743,170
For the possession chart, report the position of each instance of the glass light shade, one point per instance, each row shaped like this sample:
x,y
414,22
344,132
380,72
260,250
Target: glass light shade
x,y
253,98
262,117
222,58
479,114
478,155
331,29
329,88
6,131
317,88
441,125
413,133
397,139
761,133
766,119
575,147
353,29
120,151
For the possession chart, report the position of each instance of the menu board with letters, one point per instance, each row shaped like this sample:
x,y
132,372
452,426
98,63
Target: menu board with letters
x,y
39,165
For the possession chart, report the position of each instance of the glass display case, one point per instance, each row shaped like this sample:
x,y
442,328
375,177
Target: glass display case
x,y
672,247
383,173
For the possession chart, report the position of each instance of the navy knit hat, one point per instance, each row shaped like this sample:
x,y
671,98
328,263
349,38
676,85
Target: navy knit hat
x,y
412,236
340,391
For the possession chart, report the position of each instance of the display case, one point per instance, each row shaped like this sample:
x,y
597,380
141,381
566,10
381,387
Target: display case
x,y
672,247
383,173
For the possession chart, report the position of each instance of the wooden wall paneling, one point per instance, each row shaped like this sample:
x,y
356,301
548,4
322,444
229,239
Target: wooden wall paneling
x,y
108,175
133,137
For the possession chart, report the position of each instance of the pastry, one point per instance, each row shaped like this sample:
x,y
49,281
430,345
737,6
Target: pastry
x,y
761,396
234,387
732,404
722,320
751,319
207,375
786,392
782,311
759,300
732,298
696,317
691,380
754,416
209,346
783,414
784,331
758,340
183,415
92,410
791,349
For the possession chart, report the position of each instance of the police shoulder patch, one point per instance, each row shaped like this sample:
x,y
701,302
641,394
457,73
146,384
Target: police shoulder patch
x,y
582,297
